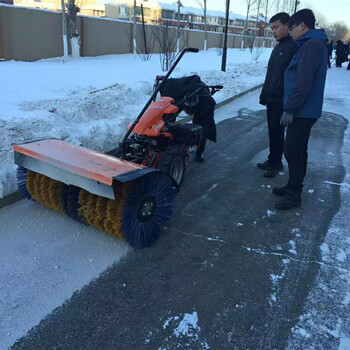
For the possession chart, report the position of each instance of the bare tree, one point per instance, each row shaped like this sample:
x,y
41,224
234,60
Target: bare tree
x,y
146,44
80,3
286,6
277,6
250,9
321,20
257,51
73,29
134,28
178,24
219,43
178,12
267,9
337,31
166,37
203,5
250,5
258,6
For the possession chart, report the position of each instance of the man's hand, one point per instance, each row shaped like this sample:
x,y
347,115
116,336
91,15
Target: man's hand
x,y
286,119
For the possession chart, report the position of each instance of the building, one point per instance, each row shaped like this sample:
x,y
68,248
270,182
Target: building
x,y
154,12
190,17
87,7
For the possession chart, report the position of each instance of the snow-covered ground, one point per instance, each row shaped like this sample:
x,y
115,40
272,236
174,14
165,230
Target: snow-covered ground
x,y
50,98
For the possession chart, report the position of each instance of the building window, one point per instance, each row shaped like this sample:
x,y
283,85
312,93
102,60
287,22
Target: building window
x,y
167,14
123,10
197,19
146,11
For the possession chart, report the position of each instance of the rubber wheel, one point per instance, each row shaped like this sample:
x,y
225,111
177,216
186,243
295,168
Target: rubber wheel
x,y
172,162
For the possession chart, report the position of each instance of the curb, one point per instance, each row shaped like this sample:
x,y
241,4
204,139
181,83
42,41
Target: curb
x,y
18,195
235,97
11,198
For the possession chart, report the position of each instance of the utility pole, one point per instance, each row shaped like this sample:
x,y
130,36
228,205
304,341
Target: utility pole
x,y
144,31
296,5
205,25
224,52
134,30
178,25
64,31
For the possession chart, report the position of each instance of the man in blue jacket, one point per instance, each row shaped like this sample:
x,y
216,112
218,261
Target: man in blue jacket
x,y
304,83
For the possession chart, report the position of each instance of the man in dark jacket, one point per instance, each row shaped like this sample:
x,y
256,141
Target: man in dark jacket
x,y
341,53
272,92
304,83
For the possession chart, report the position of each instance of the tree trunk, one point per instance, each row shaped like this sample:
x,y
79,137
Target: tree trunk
x,y
64,31
73,29
134,30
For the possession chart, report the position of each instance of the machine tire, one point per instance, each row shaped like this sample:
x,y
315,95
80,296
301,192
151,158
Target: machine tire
x,y
172,162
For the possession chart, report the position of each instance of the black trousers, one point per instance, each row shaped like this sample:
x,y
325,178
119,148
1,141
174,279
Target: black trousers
x,y
295,151
338,62
276,131
201,146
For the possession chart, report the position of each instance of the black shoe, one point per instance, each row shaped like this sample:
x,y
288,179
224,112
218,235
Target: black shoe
x,y
264,165
280,191
289,201
271,172
267,164
199,157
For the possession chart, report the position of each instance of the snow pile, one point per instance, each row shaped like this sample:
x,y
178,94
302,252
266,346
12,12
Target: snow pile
x,y
180,332
89,101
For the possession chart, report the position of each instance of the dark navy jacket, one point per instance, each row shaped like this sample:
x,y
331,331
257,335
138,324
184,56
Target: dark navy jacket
x,y
305,77
283,52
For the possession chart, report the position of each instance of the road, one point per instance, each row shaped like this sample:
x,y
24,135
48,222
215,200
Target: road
x,y
229,272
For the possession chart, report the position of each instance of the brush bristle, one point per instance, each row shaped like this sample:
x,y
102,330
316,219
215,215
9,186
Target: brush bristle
x,y
21,176
119,217
143,234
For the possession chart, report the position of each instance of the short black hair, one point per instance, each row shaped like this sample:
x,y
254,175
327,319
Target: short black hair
x,y
283,17
306,16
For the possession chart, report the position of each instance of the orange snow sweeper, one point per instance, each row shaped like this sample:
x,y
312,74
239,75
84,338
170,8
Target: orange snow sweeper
x,y
129,194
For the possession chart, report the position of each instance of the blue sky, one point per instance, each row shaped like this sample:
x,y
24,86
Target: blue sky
x,y
333,10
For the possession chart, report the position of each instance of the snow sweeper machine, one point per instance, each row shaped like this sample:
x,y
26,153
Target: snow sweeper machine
x,y
130,192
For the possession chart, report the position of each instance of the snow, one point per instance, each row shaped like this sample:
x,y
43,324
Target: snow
x,y
92,99
44,258
185,330
293,249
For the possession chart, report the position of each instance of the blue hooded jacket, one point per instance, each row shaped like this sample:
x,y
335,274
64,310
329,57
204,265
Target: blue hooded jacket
x,y
305,77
